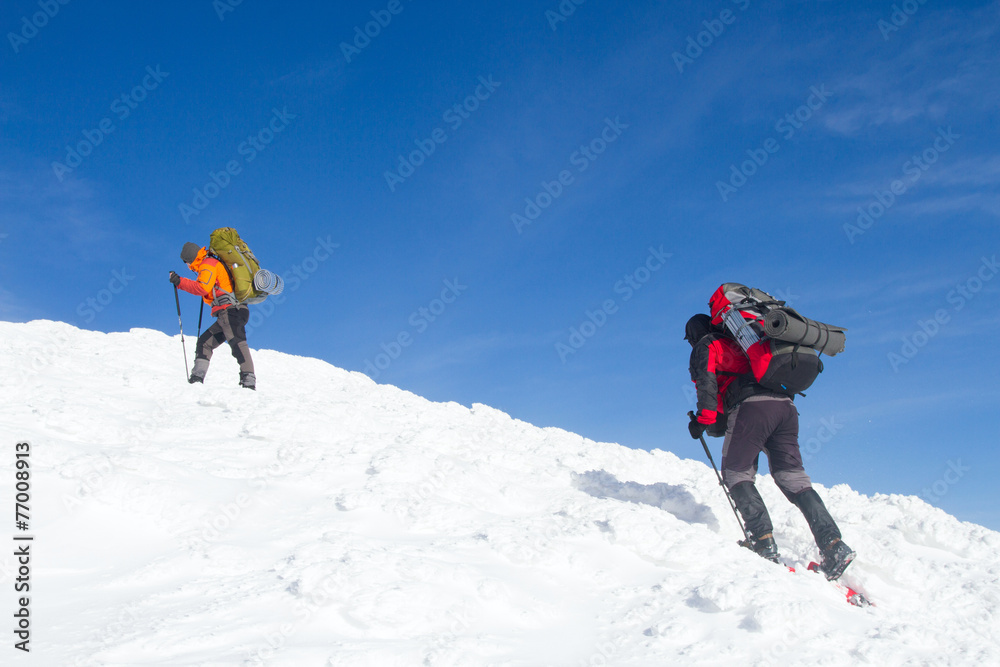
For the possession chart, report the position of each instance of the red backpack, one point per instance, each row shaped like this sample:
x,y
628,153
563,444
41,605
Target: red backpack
x,y
783,347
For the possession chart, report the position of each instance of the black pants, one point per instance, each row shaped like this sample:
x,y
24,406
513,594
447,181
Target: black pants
x,y
769,425
230,326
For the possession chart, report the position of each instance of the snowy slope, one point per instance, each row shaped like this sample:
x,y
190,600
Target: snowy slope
x,y
328,520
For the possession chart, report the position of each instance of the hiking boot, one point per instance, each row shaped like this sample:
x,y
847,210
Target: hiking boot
x,y
766,547
199,371
248,381
835,559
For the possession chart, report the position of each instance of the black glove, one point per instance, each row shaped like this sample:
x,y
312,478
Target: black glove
x,y
175,279
695,428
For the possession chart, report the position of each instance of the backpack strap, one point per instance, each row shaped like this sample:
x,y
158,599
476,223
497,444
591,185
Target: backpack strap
x,y
751,302
229,273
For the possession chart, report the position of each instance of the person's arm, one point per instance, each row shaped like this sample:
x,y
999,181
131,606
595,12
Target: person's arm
x,y
201,287
706,384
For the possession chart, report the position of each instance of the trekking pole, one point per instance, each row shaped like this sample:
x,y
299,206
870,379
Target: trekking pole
x,y
177,298
200,313
748,543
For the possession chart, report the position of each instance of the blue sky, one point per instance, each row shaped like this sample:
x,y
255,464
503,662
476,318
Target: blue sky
x,y
668,147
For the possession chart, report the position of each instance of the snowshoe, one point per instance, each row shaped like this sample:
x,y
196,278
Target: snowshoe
x,y
854,597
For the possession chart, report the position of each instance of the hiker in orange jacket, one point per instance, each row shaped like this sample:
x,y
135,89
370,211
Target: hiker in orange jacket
x,y
215,287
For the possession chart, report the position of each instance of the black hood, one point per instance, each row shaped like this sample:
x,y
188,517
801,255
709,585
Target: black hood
x,y
697,328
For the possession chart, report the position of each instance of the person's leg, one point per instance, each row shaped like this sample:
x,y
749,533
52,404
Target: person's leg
x,y
822,525
785,460
745,436
233,321
207,342
782,448
752,509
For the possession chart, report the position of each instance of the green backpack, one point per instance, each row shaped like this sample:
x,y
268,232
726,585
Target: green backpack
x,y
225,243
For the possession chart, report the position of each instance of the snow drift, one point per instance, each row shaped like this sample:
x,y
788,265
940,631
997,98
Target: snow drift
x,y
327,520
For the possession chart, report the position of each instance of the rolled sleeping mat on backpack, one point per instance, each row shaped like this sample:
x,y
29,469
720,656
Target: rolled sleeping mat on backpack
x,y
787,325
267,282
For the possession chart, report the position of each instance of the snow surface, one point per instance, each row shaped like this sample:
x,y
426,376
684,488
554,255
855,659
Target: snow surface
x,y
329,520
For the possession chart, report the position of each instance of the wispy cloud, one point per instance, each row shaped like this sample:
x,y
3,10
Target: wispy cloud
x,y
32,202
959,46
951,186
957,182
976,171
921,404
950,203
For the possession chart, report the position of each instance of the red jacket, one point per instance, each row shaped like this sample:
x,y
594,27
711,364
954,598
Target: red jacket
x,y
213,283
716,361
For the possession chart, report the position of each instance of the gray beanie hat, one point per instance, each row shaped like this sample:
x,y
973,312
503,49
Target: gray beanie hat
x,y
189,252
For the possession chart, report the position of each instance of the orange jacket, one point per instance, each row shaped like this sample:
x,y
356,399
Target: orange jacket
x,y
213,282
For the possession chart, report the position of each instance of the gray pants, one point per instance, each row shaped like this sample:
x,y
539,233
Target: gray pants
x,y
768,424
230,326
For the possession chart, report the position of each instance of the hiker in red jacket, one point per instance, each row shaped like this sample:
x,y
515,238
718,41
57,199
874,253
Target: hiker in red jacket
x,y
755,420
216,288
